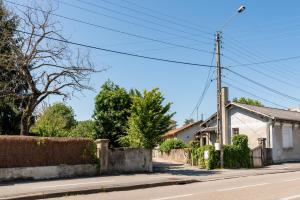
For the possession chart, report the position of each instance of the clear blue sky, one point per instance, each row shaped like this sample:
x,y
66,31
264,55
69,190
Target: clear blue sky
x,y
266,30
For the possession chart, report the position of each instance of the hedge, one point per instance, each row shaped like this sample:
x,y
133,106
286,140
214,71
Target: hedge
x,y
170,144
26,151
237,155
198,156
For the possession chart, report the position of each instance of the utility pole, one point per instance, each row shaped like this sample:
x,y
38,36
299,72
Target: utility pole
x,y
219,103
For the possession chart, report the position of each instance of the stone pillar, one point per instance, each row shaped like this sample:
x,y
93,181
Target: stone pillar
x,y
102,153
262,144
224,102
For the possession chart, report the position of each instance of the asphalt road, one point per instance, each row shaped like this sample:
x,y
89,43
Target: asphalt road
x,y
285,186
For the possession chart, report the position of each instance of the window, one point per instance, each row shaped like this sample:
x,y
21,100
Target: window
x,y
287,136
235,131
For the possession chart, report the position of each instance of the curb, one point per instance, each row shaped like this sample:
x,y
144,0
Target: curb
x,y
56,194
82,191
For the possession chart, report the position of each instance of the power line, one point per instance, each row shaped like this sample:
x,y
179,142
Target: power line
x,y
114,51
114,30
158,18
250,54
247,92
160,13
207,85
133,23
268,61
131,16
262,85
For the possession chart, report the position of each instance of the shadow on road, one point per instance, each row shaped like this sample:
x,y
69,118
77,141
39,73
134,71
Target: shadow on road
x,y
180,169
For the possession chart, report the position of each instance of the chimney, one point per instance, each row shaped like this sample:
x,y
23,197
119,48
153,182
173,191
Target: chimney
x,y
225,127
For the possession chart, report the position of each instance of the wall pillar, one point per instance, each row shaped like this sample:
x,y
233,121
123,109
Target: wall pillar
x,y
262,144
225,128
102,154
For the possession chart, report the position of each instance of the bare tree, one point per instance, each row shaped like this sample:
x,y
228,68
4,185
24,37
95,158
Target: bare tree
x,y
46,66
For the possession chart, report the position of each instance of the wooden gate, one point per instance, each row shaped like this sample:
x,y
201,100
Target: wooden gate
x,y
258,157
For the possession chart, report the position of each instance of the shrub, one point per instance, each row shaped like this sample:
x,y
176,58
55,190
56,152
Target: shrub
x,y
198,156
170,144
237,155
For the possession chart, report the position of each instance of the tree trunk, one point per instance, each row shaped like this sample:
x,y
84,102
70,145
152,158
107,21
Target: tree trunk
x,y
25,123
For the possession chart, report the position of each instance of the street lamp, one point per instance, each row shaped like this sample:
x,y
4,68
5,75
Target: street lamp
x,y
219,82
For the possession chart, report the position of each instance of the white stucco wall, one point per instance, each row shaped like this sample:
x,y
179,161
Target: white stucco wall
x,y
281,154
188,134
250,124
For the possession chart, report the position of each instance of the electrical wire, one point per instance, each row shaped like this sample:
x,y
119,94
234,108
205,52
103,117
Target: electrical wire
x,y
137,18
206,87
115,30
116,52
185,21
263,86
136,24
158,18
268,61
253,95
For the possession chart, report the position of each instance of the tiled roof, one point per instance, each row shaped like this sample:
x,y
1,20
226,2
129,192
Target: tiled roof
x,y
273,113
177,131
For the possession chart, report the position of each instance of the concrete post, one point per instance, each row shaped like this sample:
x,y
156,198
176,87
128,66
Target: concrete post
x,y
262,144
102,153
224,102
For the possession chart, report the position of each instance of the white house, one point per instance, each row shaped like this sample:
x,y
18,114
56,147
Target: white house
x,y
280,128
186,133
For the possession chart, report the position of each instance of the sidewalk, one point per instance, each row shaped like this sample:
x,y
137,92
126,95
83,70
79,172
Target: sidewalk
x,y
166,173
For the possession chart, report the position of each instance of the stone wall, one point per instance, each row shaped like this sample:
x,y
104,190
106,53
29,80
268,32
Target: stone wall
x,y
123,160
176,155
47,172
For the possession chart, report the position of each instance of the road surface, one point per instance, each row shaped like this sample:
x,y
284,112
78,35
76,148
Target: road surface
x,y
284,186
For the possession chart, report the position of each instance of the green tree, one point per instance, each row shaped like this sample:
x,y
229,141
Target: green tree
x,y
188,121
149,120
112,110
56,120
173,124
10,115
247,101
84,129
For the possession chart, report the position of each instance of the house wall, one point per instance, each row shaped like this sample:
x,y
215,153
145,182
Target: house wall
x,y
250,124
188,134
283,155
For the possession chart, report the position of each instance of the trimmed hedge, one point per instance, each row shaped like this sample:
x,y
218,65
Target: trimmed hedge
x,y
26,151
198,156
170,144
237,155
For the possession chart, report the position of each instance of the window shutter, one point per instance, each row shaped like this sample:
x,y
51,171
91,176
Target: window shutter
x,y
287,136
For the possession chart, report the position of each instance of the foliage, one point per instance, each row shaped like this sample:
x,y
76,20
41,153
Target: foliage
x,y
247,101
237,155
84,129
9,108
189,121
169,144
198,156
149,120
45,67
55,121
173,124
112,110
194,144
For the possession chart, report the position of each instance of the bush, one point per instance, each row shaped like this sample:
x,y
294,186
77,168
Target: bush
x,y
198,156
170,144
237,155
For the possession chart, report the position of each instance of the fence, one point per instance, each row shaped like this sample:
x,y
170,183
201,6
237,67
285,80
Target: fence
x,y
26,151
